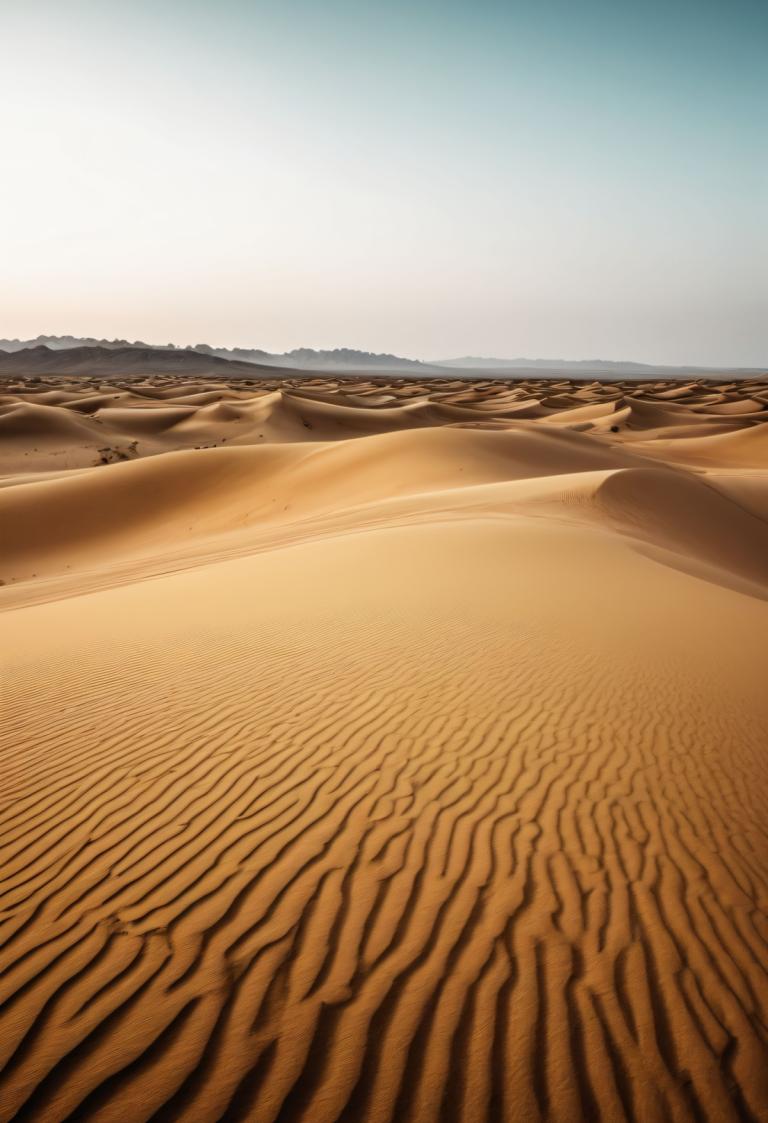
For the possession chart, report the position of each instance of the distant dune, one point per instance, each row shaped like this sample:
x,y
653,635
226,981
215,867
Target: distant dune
x,y
381,749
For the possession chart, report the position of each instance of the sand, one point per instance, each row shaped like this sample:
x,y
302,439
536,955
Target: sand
x,y
383,751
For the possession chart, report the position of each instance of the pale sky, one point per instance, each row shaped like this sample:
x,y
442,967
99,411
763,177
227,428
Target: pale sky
x,y
549,178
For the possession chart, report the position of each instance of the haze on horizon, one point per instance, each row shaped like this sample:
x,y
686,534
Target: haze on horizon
x,y
427,179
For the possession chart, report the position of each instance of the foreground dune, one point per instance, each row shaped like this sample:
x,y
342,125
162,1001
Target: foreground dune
x,y
418,775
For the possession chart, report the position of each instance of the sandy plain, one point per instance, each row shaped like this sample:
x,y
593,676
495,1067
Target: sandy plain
x,y
383,751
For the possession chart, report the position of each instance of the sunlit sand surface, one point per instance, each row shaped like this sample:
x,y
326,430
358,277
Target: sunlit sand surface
x,y
384,751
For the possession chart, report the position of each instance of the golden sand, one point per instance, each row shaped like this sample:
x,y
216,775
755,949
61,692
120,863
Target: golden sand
x,y
384,752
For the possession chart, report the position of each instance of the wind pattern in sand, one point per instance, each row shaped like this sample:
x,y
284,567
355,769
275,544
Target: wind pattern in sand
x,y
415,776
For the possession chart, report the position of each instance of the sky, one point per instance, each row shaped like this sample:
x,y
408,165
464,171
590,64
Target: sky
x,y
553,178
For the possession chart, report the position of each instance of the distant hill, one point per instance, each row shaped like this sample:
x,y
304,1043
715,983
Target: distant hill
x,y
117,361
474,363
585,368
341,359
67,342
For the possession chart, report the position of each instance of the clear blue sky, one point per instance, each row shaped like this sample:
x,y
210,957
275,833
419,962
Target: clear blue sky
x,y
556,179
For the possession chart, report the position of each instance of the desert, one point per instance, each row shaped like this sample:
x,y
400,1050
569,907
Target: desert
x,y
382,748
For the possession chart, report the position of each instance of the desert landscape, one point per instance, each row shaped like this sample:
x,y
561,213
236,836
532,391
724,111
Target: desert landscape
x,y
383,749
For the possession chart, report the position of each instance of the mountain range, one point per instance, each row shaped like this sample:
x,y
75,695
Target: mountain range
x,y
305,359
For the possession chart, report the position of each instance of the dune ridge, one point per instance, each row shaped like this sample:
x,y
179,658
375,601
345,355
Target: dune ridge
x,y
384,751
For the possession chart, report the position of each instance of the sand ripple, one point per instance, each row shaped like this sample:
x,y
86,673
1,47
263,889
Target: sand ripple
x,y
434,790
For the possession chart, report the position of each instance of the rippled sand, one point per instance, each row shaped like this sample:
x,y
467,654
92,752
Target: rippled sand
x,y
384,752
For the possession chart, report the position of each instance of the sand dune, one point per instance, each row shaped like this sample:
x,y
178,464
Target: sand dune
x,y
383,751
